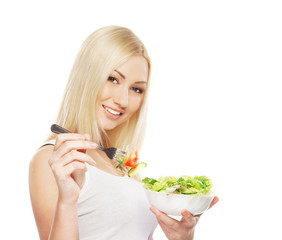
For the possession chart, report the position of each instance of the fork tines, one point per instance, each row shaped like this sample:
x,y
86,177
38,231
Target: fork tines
x,y
113,153
119,154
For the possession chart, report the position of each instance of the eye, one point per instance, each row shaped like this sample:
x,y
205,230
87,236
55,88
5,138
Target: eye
x,y
137,90
112,79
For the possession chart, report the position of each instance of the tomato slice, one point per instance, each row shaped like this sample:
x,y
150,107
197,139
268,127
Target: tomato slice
x,y
132,159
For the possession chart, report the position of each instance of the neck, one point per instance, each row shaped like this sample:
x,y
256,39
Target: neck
x,y
104,163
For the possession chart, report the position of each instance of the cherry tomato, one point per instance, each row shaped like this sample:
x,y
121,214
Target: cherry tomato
x,y
132,159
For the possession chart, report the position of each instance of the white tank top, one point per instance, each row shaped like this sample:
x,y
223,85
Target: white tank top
x,y
113,208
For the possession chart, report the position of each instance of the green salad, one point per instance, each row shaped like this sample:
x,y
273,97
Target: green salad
x,y
183,185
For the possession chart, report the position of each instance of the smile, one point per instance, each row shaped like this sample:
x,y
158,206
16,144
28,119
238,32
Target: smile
x,y
112,111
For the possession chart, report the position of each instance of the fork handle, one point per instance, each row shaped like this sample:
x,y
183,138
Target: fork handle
x,y
55,128
101,148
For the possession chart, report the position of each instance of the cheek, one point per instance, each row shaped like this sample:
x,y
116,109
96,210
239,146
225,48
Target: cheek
x,y
135,104
105,93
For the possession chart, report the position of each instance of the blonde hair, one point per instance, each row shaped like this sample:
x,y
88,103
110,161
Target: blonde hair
x,y
102,52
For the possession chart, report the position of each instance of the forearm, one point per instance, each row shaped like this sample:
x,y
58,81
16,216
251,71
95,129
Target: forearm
x,y
65,224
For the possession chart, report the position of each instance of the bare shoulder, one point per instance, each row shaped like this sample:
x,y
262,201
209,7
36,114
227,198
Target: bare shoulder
x,y
43,153
39,166
41,177
43,190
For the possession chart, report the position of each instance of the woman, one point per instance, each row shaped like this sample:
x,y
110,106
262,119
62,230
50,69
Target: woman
x,y
76,191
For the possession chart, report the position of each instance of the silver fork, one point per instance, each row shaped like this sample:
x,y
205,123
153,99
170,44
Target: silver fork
x,y
114,154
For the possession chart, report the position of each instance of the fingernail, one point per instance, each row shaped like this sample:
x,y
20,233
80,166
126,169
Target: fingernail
x,y
92,160
154,210
92,144
185,213
87,136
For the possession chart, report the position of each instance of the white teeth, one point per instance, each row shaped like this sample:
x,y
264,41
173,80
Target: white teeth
x,y
112,111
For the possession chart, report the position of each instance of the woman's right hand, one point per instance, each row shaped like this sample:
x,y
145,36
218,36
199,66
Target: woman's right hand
x,y
68,164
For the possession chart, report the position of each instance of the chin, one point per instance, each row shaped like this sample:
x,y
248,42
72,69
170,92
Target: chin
x,y
108,125
109,128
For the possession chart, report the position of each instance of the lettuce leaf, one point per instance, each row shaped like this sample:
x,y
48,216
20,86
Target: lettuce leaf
x,y
183,185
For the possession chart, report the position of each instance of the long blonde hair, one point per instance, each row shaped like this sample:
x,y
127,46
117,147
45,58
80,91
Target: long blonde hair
x,y
99,55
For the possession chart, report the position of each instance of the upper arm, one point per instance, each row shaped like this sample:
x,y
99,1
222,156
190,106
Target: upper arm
x,y
43,191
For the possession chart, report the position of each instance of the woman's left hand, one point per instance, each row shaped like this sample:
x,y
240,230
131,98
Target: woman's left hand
x,y
179,230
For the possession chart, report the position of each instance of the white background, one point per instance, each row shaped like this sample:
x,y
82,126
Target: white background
x,y
215,103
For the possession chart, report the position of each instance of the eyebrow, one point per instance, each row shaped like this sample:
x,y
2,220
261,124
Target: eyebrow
x,y
120,74
124,77
141,82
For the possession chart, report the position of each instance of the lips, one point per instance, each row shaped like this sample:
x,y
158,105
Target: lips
x,y
112,113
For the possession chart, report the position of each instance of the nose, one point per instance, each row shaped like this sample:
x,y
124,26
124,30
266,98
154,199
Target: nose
x,y
121,97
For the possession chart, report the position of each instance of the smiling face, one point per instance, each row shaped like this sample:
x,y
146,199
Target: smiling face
x,y
123,93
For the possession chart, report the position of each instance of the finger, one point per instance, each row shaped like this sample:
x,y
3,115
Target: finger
x,y
188,219
171,227
76,156
61,138
214,201
73,166
167,231
73,145
164,218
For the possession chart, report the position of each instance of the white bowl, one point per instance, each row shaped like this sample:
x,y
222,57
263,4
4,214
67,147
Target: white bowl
x,y
173,204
